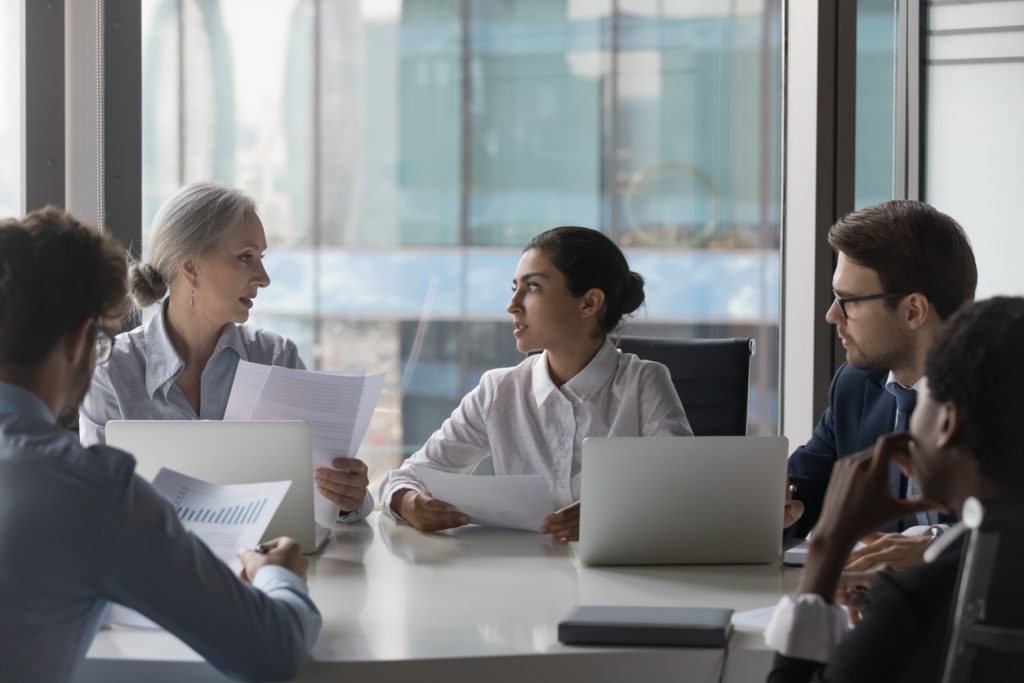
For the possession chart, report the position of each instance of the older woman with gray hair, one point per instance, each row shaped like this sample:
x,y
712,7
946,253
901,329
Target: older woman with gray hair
x,y
205,268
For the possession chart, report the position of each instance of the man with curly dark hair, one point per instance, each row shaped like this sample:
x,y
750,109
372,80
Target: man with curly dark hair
x,y
78,528
964,441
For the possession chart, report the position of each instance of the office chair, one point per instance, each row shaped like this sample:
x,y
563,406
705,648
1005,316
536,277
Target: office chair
x,y
987,638
711,376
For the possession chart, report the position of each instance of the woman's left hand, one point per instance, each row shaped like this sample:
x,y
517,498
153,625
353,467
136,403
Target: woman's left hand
x,y
563,525
345,485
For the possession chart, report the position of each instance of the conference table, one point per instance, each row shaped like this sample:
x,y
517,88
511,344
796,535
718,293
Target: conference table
x,y
475,604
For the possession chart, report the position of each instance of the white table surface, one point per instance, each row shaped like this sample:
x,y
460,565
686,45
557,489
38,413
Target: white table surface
x,y
474,604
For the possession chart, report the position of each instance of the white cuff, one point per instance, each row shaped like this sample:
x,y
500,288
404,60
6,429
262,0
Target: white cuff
x,y
364,509
401,478
921,529
806,627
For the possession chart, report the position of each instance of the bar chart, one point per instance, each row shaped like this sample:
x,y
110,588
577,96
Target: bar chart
x,y
241,513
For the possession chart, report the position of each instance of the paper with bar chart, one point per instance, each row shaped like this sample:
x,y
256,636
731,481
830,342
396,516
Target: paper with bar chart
x,y
224,517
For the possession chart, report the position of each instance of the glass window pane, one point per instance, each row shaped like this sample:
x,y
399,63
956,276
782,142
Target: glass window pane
x,y
538,75
12,31
876,103
403,153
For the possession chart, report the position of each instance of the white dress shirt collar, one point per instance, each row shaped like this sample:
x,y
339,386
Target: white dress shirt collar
x,y
891,380
585,383
163,364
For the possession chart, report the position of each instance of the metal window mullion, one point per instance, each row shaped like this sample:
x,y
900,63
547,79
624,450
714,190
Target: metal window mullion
x,y
465,174
909,90
614,132
914,93
44,150
180,75
121,123
837,126
317,214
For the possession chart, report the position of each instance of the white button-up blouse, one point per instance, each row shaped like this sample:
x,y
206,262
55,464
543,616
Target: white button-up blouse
x,y
530,426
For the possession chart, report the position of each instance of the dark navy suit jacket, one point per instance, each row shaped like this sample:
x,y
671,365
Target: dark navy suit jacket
x,y
859,411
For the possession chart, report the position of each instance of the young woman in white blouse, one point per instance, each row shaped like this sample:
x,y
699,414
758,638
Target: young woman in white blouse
x,y
205,268
570,291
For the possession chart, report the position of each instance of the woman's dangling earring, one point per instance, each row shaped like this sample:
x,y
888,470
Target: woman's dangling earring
x,y
193,301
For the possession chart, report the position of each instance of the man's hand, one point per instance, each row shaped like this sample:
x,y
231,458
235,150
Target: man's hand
x,y
345,485
852,591
793,510
895,551
425,512
563,525
283,552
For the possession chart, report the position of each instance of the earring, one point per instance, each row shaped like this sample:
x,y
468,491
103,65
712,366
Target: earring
x,y
193,301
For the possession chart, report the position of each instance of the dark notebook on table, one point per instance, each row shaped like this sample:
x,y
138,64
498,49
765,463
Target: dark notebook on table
x,y
671,626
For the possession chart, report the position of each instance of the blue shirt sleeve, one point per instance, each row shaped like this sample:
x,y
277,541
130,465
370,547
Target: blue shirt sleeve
x,y
150,563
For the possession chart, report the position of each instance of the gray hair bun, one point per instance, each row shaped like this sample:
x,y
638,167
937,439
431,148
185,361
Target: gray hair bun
x,y
145,284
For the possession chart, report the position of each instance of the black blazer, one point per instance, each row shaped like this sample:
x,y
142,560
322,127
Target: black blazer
x,y
902,633
859,411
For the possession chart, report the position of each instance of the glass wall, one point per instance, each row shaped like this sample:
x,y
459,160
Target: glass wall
x,y
402,153
12,31
875,155
973,139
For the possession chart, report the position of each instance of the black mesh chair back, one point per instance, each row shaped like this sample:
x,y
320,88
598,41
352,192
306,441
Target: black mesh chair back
x,y
987,637
711,376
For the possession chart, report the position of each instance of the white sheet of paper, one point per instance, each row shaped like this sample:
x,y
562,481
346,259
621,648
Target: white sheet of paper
x,y
337,406
504,501
246,390
797,555
756,619
224,517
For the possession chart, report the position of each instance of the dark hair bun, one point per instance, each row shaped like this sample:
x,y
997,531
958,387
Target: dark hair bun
x,y
590,260
145,284
633,293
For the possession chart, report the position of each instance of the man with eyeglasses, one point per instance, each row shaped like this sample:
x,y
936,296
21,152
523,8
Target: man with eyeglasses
x,y
902,269
78,528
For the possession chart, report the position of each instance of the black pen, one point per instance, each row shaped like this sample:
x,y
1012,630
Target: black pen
x,y
263,548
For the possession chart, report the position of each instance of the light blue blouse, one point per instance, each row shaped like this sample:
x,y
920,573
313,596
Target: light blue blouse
x,y
138,382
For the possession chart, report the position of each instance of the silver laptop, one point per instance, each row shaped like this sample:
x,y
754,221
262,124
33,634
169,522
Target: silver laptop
x,y
682,500
232,452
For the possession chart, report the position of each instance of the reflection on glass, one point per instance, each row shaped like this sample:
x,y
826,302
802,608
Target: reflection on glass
x,y
693,129
402,153
876,102
11,133
537,72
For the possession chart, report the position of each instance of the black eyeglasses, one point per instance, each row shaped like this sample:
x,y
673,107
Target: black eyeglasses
x,y
104,343
843,300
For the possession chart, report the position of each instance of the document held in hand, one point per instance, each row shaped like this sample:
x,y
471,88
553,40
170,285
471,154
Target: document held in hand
x,y
337,406
519,501
224,517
